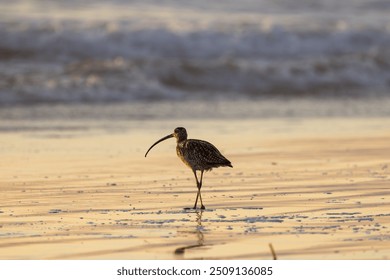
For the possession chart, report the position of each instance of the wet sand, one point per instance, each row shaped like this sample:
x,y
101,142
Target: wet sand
x,y
313,188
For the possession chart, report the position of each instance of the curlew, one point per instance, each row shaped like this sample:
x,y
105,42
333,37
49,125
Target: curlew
x,y
198,155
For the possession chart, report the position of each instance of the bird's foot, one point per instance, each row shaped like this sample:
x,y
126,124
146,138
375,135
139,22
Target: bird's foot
x,y
194,208
202,207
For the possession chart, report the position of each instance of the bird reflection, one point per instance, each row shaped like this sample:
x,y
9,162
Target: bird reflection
x,y
199,228
199,235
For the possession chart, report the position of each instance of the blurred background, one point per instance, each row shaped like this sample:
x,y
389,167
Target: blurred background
x,y
146,59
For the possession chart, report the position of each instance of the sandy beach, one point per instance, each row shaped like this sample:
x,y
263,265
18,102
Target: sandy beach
x,y
295,95
313,188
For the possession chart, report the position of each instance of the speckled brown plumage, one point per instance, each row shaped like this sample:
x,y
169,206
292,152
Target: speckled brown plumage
x,y
198,155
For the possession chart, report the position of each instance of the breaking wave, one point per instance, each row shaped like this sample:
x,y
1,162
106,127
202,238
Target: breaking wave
x,y
104,61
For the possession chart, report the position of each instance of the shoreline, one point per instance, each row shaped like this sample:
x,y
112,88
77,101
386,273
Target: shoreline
x,y
202,109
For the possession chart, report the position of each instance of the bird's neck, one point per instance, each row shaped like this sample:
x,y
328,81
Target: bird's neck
x,y
181,139
181,142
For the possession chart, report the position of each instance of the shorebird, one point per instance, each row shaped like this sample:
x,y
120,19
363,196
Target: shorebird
x,y
198,155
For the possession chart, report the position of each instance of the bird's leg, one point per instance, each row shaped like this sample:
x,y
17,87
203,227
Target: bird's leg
x,y
198,186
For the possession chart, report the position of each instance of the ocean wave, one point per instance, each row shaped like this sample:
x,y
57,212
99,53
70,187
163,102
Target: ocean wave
x,y
78,39
82,61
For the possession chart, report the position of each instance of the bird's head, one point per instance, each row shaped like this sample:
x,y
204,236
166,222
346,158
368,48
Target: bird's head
x,y
179,133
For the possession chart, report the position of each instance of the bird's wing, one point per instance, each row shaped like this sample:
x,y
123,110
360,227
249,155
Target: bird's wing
x,y
205,152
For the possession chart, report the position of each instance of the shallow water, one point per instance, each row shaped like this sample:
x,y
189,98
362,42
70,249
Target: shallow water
x,y
111,116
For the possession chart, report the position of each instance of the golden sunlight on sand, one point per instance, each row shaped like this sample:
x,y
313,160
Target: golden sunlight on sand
x,y
314,189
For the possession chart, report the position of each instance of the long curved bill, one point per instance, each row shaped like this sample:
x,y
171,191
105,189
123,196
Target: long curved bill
x,y
162,139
